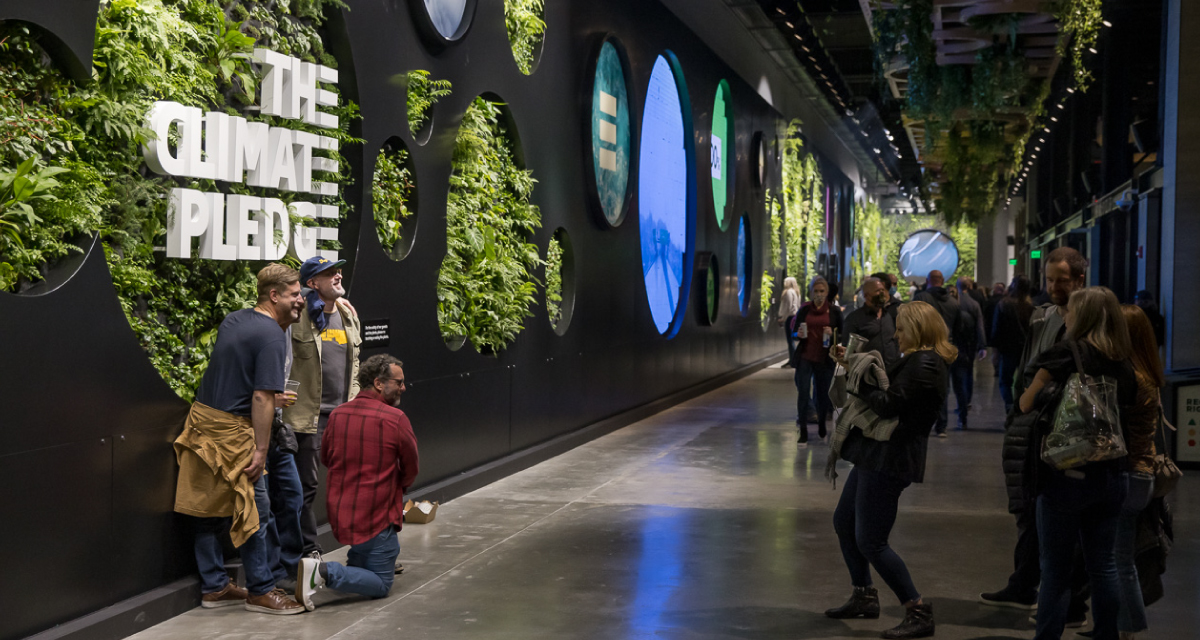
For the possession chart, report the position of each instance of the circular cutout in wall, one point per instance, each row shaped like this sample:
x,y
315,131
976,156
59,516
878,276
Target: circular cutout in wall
x,y
422,92
928,250
666,192
486,285
708,278
526,23
610,131
560,281
745,261
721,150
758,156
442,22
394,199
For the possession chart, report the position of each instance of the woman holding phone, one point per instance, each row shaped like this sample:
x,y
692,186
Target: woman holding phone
x,y
813,327
882,470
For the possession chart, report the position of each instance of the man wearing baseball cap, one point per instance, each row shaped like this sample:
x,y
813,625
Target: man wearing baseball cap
x,y
325,345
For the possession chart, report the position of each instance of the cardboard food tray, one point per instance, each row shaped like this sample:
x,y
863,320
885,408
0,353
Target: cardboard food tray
x,y
422,512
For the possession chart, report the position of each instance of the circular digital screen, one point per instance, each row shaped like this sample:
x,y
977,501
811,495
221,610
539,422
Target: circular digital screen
x,y
611,134
743,264
663,191
447,16
720,151
928,250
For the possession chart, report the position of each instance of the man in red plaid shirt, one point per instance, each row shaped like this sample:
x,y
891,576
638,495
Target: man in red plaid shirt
x,y
371,453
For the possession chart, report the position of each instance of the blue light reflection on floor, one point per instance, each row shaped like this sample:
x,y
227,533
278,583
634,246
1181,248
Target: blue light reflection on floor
x,y
659,570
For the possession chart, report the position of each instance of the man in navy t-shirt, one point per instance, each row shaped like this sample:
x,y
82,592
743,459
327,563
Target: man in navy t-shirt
x,y
223,448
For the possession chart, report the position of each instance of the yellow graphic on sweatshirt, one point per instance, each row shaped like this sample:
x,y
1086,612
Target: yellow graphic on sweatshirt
x,y
334,335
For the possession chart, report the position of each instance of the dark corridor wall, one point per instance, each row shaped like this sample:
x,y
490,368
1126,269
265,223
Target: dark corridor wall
x,y
86,465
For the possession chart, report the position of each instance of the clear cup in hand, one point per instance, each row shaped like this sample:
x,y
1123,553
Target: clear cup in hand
x,y
291,390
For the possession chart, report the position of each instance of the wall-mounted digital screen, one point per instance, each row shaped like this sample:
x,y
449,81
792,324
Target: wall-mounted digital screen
x,y
743,264
611,136
447,15
663,194
925,251
720,153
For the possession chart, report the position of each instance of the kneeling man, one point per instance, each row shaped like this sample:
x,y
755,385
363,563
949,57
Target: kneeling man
x,y
371,453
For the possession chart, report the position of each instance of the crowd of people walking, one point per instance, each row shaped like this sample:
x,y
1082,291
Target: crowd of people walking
x,y
1078,515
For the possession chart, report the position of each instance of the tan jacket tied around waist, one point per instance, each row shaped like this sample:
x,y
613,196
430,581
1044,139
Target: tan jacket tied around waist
x,y
212,451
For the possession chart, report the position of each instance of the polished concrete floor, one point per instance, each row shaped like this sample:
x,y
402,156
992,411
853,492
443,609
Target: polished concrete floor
x,y
704,521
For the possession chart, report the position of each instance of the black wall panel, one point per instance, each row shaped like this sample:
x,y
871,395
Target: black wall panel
x,y
86,466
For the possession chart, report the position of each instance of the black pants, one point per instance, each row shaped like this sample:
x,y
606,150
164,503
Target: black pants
x,y
1027,568
308,460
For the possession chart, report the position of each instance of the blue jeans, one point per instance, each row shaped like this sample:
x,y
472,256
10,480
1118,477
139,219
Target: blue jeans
x,y
1132,617
791,339
283,531
1080,511
863,520
962,378
370,567
822,376
210,558
1008,373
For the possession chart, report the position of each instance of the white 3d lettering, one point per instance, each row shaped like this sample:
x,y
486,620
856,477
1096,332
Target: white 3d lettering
x,y
218,146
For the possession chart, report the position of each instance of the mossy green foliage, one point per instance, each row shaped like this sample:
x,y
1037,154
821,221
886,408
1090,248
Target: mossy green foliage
x,y
526,28
803,205
775,232
486,284
391,190
765,295
870,255
1079,22
422,93
554,281
87,139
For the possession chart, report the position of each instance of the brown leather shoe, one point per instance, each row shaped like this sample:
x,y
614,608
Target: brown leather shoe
x,y
230,595
275,602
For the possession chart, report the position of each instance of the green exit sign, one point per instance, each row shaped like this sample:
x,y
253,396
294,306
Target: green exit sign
x,y
1036,254
1012,261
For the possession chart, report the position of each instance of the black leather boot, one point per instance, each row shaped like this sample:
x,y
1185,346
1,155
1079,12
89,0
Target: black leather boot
x,y
918,623
863,603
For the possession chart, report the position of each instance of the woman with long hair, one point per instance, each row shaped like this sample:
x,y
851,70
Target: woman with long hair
x,y
813,327
1140,425
1010,330
884,469
1081,506
789,304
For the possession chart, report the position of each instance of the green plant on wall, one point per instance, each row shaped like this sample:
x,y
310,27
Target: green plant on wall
x,y
766,295
486,284
526,29
803,205
775,232
869,255
391,190
421,94
87,138
554,281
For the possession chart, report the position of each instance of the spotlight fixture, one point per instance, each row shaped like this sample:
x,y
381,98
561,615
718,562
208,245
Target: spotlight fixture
x,y
806,49
799,37
1041,139
1070,89
1047,129
1054,118
1037,149
1061,106
1093,49
1107,23
790,25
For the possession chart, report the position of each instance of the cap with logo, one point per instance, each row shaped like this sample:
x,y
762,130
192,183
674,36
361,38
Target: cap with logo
x,y
316,265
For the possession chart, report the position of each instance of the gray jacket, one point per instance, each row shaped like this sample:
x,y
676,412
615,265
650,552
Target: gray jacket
x,y
862,369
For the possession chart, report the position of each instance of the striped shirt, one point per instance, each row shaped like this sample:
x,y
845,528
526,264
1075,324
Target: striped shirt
x,y
371,453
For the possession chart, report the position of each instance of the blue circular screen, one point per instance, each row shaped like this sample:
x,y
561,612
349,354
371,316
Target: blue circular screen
x,y
663,194
743,254
447,15
926,251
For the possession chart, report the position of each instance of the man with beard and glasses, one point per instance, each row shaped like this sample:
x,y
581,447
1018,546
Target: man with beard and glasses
x,y
371,453
223,449
1066,272
875,321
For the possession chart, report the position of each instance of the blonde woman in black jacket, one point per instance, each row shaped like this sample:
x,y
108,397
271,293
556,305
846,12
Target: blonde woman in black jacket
x,y
884,469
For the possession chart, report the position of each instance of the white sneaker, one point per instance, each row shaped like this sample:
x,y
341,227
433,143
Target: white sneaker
x,y
308,580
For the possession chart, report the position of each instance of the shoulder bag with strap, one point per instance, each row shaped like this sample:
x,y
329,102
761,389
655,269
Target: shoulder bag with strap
x,y
1087,423
1166,472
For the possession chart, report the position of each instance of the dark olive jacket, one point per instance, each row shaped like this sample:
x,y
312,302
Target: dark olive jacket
x,y
917,388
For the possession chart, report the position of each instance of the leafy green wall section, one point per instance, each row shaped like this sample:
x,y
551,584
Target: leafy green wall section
x,y
486,283
554,281
87,173
391,191
526,28
870,255
422,93
803,205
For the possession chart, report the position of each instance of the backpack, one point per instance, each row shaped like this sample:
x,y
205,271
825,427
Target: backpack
x,y
964,335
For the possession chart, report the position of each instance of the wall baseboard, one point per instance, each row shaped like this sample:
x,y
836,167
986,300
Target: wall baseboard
x,y
157,605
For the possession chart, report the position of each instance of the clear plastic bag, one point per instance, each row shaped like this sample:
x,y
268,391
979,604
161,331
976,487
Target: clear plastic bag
x,y
1087,424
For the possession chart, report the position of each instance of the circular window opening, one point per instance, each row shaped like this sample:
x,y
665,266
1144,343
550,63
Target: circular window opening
x,y
442,22
610,133
928,250
422,93
526,23
666,193
708,278
560,281
394,199
486,285
721,151
744,265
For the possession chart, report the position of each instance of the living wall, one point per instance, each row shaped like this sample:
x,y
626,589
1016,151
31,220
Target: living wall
x,y
554,281
803,205
870,255
526,28
766,294
81,144
421,94
391,190
486,284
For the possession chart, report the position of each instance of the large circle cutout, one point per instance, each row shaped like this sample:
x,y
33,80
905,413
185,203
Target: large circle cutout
x,y
560,281
666,181
611,133
394,199
927,250
744,265
721,151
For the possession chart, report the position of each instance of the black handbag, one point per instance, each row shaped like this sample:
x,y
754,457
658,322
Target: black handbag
x,y
283,437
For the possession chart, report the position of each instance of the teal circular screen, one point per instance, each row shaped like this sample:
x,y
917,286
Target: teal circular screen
x,y
611,143
743,264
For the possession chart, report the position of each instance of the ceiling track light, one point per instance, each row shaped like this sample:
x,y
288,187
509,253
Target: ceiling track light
x,y
1070,89
1106,23
1093,49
